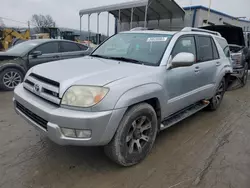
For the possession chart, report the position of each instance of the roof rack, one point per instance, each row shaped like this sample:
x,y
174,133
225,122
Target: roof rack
x,y
144,29
201,30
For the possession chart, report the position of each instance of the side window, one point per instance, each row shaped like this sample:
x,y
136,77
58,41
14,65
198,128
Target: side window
x,y
184,44
205,50
69,47
48,48
83,47
224,46
227,51
215,50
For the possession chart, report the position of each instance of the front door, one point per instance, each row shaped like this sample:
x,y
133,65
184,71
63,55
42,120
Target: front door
x,y
50,52
181,83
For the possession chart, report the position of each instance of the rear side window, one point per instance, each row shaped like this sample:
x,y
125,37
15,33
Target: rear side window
x,y
69,47
215,50
83,47
224,45
205,49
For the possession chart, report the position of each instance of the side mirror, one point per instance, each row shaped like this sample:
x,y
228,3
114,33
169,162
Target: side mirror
x,y
36,53
183,59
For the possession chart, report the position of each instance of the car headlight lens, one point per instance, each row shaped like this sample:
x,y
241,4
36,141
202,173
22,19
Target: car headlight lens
x,y
84,96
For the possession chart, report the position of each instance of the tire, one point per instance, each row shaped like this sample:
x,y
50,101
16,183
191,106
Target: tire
x,y
124,148
245,75
14,76
218,97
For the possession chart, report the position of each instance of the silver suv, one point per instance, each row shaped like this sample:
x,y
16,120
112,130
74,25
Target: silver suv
x,y
134,85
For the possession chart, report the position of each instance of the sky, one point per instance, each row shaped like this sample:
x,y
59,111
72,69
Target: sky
x,y
66,12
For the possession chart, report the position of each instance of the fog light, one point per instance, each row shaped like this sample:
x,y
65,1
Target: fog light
x,y
83,133
69,132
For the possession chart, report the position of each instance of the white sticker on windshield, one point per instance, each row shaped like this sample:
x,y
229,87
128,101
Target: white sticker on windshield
x,y
157,39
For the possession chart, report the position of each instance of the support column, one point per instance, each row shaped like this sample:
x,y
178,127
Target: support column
x,y
145,18
119,21
80,26
170,24
108,26
131,18
97,38
89,28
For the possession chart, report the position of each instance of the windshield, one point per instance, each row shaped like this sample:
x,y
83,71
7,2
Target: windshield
x,y
22,48
144,48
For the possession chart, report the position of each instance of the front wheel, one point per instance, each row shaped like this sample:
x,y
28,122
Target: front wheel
x,y
217,98
135,136
10,78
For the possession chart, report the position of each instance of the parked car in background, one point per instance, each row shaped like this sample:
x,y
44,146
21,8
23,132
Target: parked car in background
x,y
132,86
17,60
238,47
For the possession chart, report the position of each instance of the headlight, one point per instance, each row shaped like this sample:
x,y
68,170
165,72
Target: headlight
x,y
84,96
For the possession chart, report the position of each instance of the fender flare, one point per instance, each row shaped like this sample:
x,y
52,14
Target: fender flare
x,y
13,65
141,93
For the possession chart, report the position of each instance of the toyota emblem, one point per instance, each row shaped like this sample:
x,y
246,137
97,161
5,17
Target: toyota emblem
x,y
37,88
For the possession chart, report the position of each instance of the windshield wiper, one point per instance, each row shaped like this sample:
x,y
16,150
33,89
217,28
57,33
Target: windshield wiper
x,y
128,59
101,56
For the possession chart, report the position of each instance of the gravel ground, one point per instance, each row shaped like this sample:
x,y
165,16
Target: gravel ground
x,y
207,150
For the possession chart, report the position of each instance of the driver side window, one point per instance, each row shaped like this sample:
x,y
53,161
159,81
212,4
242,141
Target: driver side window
x,y
184,44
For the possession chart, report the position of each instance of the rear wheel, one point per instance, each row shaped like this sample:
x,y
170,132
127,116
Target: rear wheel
x,y
10,78
217,98
245,75
135,136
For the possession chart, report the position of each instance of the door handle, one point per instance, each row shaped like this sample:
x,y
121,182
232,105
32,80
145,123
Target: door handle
x,y
197,69
218,63
56,56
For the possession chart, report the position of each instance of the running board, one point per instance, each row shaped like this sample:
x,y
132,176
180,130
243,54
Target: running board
x,y
183,114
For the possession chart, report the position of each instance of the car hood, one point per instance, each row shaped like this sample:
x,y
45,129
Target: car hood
x,y
88,71
233,35
8,56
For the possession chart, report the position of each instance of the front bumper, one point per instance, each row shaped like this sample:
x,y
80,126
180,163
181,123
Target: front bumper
x,y
37,112
238,71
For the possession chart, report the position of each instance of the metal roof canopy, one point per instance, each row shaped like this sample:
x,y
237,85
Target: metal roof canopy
x,y
135,11
155,10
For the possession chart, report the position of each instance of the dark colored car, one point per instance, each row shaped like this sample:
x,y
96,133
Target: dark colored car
x,y
17,60
240,53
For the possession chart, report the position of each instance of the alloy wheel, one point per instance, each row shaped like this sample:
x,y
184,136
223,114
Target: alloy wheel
x,y
11,79
138,135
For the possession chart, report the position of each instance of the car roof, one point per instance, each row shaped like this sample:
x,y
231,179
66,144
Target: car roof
x,y
40,41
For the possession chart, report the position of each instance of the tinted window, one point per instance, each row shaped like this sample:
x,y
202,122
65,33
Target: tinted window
x,y
224,45
184,44
83,47
69,47
48,48
215,50
205,51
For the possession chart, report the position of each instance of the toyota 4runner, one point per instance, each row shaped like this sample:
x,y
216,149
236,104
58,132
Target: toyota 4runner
x,y
134,85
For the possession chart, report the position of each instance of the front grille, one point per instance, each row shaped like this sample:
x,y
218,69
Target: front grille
x,y
40,121
43,87
45,80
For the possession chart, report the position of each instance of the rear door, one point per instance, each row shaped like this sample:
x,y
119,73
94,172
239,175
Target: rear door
x,y
50,52
208,61
71,50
